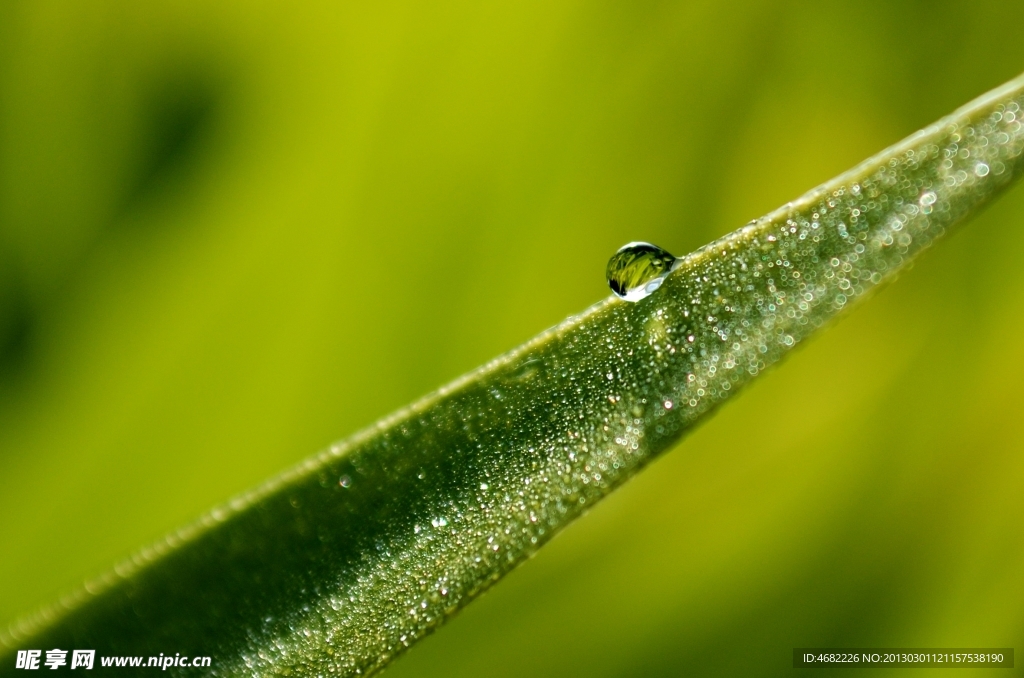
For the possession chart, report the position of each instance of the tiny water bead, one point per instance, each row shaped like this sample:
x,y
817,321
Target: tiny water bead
x,y
638,269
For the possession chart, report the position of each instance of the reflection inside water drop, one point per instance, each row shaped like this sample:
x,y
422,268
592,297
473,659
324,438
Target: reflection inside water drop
x,y
638,269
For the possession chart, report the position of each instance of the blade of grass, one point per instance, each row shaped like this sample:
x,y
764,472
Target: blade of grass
x,y
343,562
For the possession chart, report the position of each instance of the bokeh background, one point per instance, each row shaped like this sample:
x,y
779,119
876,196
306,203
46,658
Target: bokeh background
x,y
233,232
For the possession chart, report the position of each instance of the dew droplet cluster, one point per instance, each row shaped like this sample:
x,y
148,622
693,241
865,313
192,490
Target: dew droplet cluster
x,y
349,559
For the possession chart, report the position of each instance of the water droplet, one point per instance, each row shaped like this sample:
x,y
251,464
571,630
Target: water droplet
x,y
928,198
345,481
638,269
981,169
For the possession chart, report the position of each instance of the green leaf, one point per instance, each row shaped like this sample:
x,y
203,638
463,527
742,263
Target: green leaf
x,y
343,562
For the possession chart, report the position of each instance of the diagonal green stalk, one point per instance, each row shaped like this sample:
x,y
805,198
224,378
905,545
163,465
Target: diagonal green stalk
x,y
343,562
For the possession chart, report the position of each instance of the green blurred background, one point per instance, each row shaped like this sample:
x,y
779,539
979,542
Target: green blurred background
x,y
233,232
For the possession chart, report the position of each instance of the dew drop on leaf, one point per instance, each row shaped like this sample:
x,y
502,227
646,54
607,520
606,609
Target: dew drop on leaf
x,y
638,269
